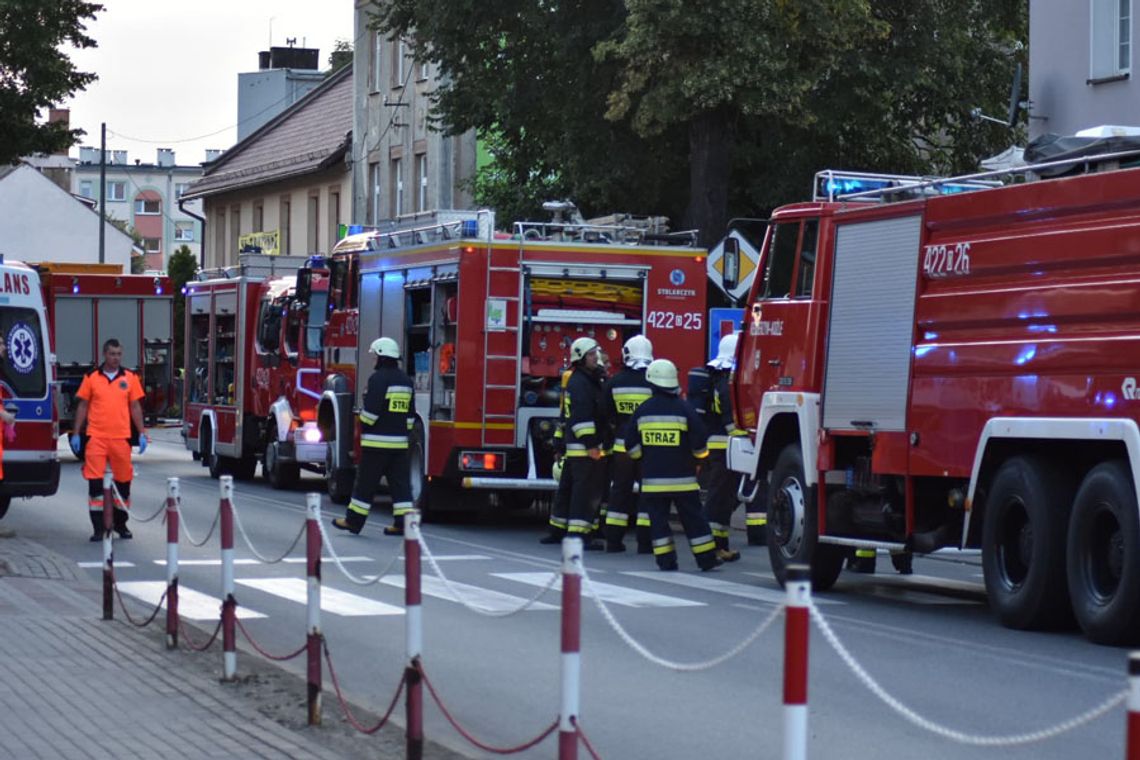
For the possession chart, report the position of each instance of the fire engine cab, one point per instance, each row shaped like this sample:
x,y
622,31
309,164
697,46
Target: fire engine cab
x,y
254,366
485,320
927,367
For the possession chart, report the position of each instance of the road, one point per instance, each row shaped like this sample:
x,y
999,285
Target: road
x,y
928,638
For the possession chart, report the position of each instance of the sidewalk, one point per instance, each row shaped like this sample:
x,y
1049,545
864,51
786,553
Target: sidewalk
x,y
75,686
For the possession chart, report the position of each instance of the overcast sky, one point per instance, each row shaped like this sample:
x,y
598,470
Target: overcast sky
x,y
168,68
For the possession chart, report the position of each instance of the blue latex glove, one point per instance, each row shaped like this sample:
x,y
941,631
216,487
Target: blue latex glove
x,y
142,443
76,443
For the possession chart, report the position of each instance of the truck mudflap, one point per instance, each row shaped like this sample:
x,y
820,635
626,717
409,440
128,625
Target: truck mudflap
x,y
511,484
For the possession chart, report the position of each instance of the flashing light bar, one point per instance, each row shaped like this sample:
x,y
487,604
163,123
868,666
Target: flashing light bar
x,y
837,186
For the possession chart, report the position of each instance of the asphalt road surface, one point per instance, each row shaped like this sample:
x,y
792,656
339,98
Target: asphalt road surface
x,y
928,639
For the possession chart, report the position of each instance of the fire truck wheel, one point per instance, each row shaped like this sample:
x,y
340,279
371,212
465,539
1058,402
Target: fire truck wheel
x,y
1104,542
793,535
338,482
5,502
281,475
1023,544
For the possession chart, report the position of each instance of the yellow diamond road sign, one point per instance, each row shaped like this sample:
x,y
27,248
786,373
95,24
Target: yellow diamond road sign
x,y
749,263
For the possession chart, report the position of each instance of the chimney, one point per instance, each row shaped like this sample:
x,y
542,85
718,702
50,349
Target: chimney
x,y
60,115
213,154
165,157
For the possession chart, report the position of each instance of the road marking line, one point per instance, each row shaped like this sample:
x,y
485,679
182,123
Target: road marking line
x,y
100,564
704,583
491,601
191,604
333,600
607,592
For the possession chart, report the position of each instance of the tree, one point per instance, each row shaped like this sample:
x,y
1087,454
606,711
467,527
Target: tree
x,y
340,56
35,72
138,263
181,268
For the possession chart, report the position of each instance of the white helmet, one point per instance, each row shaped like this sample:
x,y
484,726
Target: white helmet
x,y
637,352
725,353
580,347
385,347
663,374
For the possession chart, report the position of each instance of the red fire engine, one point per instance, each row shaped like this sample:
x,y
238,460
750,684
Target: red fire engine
x,y
955,369
92,303
485,321
254,367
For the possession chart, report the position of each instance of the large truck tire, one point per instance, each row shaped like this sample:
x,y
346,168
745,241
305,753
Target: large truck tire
x,y
793,525
1023,544
1102,554
281,475
5,502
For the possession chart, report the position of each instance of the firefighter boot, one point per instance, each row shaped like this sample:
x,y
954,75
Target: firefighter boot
x,y
903,562
709,561
396,528
353,526
862,562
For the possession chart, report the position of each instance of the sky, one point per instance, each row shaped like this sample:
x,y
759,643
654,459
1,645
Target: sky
x,y
168,68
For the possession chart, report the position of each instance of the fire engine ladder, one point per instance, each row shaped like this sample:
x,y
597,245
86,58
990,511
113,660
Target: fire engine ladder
x,y
499,413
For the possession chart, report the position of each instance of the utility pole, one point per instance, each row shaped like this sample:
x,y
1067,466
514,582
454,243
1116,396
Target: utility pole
x,y
102,191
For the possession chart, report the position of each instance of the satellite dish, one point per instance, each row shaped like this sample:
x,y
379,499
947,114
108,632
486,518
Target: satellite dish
x,y
1015,96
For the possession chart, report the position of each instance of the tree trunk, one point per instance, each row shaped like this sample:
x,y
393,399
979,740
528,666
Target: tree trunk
x,y
711,138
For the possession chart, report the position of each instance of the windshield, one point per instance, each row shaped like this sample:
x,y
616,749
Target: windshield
x,y
22,370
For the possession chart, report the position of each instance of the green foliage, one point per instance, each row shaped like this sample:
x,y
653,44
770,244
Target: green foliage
x,y
138,263
340,56
35,72
181,268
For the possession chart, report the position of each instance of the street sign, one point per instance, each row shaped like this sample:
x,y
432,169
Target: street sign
x,y
747,263
723,321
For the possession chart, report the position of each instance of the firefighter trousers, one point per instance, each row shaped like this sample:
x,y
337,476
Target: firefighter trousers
x,y
623,511
579,496
693,521
721,501
395,465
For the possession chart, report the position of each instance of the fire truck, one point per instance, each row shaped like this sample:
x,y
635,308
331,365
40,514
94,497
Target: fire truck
x,y
89,303
485,321
254,363
924,367
31,464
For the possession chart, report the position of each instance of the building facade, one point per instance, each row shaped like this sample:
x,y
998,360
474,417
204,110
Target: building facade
x,y
146,196
286,188
400,164
1080,65
284,76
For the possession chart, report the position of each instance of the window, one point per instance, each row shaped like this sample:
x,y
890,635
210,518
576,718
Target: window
x,y
399,62
374,191
374,70
235,231
85,188
269,327
258,217
286,222
1110,40
334,217
30,354
424,70
116,191
184,231
422,189
781,260
806,276
313,223
152,245
180,189
397,187
148,206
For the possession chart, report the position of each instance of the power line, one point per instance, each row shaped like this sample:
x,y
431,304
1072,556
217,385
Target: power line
x,y
199,137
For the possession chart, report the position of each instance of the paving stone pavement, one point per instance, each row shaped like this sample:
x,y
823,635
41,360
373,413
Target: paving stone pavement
x,y
75,686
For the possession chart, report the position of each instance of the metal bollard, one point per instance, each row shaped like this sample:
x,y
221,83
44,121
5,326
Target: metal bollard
x,y
108,548
1132,748
413,635
571,648
797,628
229,604
172,493
313,572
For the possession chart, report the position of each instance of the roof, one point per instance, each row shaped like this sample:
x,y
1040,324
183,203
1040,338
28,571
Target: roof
x,y
310,135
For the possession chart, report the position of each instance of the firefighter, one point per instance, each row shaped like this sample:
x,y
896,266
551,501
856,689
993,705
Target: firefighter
x,y
710,394
628,390
586,436
386,420
109,403
668,437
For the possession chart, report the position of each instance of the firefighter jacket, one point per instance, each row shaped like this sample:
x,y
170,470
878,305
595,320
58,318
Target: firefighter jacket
x,y
586,415
711,395
628,390
388,413
667,435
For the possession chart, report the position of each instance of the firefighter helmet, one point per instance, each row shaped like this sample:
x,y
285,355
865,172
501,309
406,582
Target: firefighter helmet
x,y
725,353
637,352
580,347
385,347
663,374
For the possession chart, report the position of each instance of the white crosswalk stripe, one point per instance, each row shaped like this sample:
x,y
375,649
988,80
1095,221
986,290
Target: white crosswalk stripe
x,y
333,600
705,583
191,604
492,601
98,565
607,592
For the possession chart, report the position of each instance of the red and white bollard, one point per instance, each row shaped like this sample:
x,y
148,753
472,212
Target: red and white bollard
x,y
172,494
108,549
229,604
797,629
313,573
413,635
571,648
1132,750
